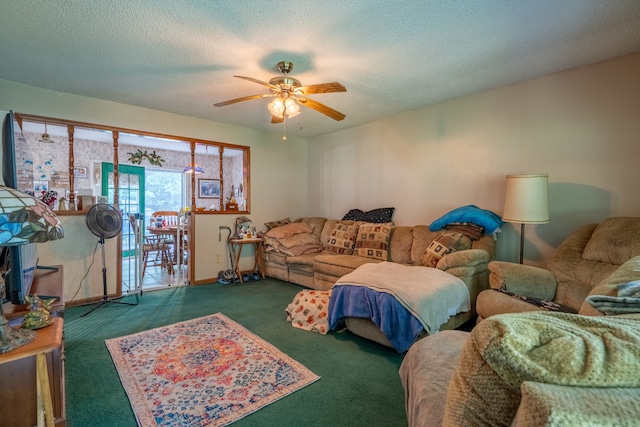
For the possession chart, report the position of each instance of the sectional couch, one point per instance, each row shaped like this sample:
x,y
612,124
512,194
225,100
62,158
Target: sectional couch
x,y
324,264
534,368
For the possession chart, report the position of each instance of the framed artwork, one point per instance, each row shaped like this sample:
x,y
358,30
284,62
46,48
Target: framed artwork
x,y
236,192
40,186
85,202
80,172
208,188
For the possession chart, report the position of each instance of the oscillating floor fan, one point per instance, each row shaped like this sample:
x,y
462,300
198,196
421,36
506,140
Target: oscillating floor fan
x,y
105,222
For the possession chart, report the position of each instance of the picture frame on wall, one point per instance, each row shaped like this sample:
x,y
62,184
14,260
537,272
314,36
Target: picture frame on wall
x,y
80,172
208,188
85,202
40,186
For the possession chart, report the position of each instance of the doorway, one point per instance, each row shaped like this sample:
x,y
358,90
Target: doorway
x,y
142,191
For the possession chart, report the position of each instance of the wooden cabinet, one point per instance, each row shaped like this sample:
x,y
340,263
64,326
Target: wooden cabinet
x,y
18,376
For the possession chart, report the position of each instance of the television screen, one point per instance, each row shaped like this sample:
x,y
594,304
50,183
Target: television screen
x,y
21,261
20,271
9,173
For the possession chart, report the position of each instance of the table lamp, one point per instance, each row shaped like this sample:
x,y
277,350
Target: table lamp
x,y
23,219
526,201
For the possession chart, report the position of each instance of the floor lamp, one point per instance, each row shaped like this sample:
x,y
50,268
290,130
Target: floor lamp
x,y
526,201
23,219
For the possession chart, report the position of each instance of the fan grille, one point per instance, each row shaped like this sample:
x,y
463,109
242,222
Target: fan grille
x,y
104,221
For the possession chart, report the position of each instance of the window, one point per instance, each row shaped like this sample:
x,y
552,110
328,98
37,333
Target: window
x,y
47,149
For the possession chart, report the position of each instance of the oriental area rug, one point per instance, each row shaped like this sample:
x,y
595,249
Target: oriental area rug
x,y
209,371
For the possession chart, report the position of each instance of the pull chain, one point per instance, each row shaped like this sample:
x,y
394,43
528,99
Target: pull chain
x,y
284,125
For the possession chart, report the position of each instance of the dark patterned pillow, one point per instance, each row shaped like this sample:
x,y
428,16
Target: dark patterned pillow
x,y
274,224
445,243
376,216
342,239
373,241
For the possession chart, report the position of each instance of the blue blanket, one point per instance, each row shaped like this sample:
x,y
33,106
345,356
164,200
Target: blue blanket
x,y
396,322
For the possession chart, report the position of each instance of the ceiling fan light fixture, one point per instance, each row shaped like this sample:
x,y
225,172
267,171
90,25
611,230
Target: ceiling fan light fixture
x,y
277,107
291,107
45,137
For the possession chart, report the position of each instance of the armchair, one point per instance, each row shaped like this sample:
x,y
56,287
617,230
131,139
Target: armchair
x,y
587,257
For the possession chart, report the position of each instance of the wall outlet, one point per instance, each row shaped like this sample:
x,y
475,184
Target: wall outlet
x,y
218,258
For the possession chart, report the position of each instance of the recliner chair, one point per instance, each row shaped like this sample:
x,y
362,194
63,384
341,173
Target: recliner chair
x,y
588,256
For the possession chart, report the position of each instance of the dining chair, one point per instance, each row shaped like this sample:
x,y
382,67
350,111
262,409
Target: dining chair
x,y
155,251
169,218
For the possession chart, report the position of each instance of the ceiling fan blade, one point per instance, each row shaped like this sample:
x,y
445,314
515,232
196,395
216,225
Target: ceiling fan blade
x,y
260,82
244,98
315,105
276,119
321,88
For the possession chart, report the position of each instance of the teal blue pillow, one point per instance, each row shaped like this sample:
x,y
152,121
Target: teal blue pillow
x,y
488,220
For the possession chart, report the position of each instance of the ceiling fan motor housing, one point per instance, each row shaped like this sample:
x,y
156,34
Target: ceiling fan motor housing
x,y
285,81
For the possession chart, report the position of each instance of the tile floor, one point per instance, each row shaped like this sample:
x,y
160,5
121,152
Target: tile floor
x,y
154,277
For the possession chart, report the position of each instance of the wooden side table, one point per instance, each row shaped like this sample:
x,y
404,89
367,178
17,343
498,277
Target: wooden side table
x,y
236,250
19,371
47,340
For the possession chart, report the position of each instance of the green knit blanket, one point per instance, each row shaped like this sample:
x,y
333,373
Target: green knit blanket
x,y
554,348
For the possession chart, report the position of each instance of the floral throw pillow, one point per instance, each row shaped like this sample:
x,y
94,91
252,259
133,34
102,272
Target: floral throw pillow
x,y
373,241
308,311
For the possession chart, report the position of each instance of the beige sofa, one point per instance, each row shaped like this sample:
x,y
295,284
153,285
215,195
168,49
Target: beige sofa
x,y
407,245
534,368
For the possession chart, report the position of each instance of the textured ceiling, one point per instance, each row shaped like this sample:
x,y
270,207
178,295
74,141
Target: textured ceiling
x,y
393,56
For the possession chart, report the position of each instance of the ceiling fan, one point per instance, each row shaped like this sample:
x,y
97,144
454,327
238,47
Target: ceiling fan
x,y
289,94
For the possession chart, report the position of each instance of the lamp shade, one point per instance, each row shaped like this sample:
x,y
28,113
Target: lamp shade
x,y
527,199
279,106
196,169
276,107
25,219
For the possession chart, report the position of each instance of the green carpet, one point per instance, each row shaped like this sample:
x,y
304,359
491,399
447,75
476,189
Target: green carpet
x,y
359,383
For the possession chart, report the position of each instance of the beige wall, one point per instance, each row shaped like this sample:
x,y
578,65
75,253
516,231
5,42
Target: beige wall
x,y
582,127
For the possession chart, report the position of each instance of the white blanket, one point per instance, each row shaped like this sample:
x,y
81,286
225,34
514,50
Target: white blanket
x,y
428,293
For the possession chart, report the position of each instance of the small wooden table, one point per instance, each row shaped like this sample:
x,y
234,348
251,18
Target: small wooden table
x,y
236,249
47,340
19,371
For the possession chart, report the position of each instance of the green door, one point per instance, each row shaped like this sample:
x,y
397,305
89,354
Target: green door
x,y
130,198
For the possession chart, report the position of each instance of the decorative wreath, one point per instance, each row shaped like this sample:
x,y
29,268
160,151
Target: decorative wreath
x,y
137,157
